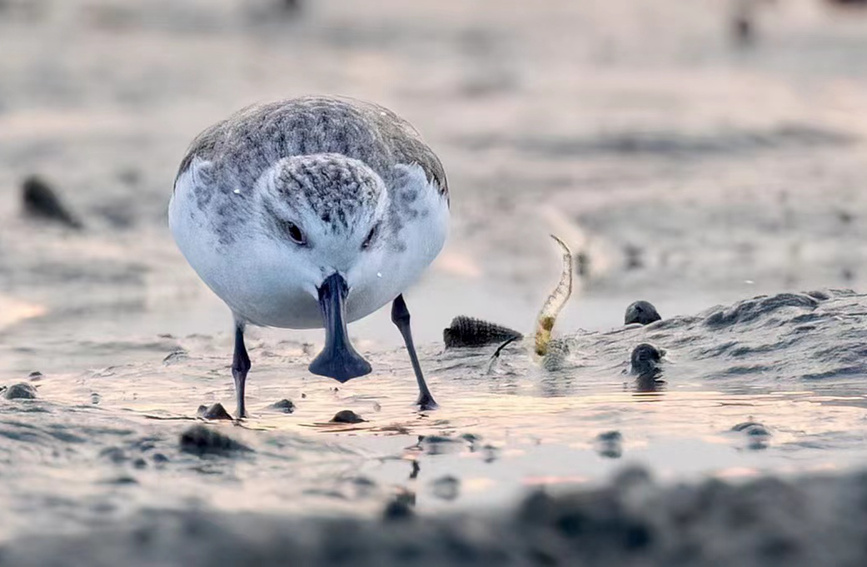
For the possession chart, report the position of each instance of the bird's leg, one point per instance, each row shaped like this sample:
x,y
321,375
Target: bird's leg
x,y
240,367
400,317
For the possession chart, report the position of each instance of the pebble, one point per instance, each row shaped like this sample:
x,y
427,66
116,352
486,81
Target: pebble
x,y
609,444
446,488
641,312
347,416
216,411
20,391
645,360
284,405
202,440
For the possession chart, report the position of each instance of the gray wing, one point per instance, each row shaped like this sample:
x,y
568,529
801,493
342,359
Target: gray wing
x,y
242,147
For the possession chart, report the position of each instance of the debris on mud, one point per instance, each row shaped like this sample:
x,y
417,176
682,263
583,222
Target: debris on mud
x,y
466,332
347,416
41,201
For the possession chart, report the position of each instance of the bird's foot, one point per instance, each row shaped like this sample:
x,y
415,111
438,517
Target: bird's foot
x,y
425,402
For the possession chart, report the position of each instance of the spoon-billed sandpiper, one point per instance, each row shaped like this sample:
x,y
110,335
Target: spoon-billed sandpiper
x,y
311,212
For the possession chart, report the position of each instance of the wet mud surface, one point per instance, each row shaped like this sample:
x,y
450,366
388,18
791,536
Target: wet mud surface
x,y
720,181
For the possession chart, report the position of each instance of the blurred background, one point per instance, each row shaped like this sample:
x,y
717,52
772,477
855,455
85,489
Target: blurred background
x,y
690,153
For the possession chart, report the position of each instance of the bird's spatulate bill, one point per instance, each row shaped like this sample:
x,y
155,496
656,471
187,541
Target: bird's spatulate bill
x,y
338,359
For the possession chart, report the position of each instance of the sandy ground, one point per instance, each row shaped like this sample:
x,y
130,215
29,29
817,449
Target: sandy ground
x,y
687,167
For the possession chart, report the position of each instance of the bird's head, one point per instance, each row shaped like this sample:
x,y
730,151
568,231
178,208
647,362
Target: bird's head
x,y
328,213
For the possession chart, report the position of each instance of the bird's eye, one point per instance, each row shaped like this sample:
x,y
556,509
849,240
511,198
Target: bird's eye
x,y
371,236
294,233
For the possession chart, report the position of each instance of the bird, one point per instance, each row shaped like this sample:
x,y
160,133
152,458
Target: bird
x,y
311,212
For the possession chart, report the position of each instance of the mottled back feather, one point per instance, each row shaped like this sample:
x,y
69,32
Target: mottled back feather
x,y
246,144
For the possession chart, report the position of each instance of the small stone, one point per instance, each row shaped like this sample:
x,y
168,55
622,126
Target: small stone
x,y
758,436
347,416
140,463
609,444
397,510
446,488
645,359
21,391
216,411
95,398
641,312
201,440
35,376
284,405
159,458
177,355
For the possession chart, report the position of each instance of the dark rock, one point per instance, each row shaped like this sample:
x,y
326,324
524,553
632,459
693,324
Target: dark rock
x,y
21,391
758,437
159,458
642,312
35,376
397,510
284,405
446,488
202,440
645,359
469,332
609,444
40,201
216,411
140,463
347,416
177,355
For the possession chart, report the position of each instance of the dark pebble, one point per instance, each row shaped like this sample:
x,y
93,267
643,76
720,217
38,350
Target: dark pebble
x,y
159,458
140,463
446,488
202,440
758,436
645,360
21,391
642,312
216,411
41,201
609,444
35,376
284,405
177,355
398,510
346,416
751,428
469,332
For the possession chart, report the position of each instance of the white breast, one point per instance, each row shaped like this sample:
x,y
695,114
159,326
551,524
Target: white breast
x,y
255,277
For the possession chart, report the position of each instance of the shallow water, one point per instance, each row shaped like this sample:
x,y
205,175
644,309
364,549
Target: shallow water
x,y
101,444
689,171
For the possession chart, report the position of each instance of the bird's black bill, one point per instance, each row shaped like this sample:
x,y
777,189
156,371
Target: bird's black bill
x,y
338,359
